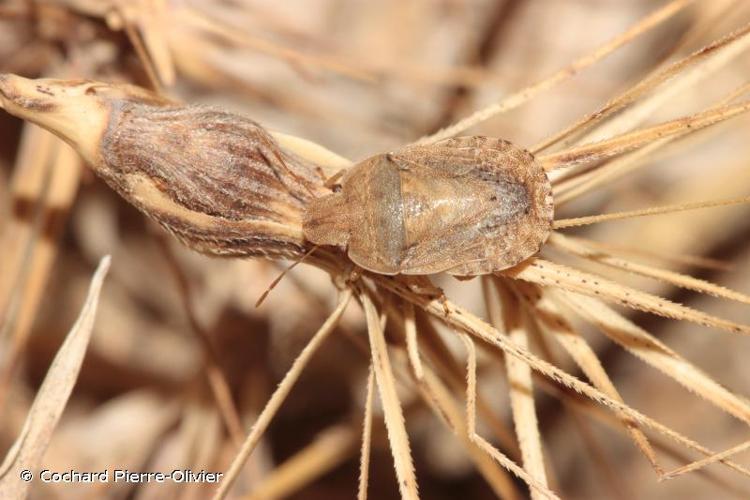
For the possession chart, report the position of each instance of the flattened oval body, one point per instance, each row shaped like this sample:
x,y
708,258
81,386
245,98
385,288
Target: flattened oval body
x,y
465,206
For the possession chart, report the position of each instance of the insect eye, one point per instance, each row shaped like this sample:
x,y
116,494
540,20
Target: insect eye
x,y
336,188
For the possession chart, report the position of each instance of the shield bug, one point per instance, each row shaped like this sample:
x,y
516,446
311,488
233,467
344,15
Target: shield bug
x,y
466,206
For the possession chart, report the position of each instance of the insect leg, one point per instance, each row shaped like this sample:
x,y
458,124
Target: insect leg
x,y
330,183
423,286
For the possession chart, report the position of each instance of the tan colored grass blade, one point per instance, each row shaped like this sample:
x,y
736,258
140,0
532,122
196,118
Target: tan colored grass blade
x,y
596,413
364,455
676,259
668,209
29,188
30,177
152,26
331,448
578,416
680,74
394,417
639,138
549,274
28,450
329,161
505,315
445,363
537,487
572,185
144,24
548,316
580,248
443,405
654,352
412,347
40,214
465,321
699,464
566,188
280,394
437,397
514,100
141,50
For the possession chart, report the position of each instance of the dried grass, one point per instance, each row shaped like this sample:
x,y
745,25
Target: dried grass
x,y
394,366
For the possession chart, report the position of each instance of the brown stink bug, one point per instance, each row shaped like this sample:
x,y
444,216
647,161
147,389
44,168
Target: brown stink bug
x,y
466,206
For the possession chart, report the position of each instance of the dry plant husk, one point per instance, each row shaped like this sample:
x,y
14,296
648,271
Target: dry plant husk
x,y
225,186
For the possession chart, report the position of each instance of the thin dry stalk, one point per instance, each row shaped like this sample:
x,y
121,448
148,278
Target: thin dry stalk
x,y
517,99
394,418
471,391
699,464
330,448
216,378
644,253
39,223
364,455
688,71
594,219
465,321
571,186
596,450
580,248
412,347
280,394
504,313
547,273
654,352
622,143
550,320
446,364
444,406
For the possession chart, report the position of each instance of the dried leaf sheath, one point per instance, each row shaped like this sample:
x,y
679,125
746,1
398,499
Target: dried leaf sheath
x,y
216,180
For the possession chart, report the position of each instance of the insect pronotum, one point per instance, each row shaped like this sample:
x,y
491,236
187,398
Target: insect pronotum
x,y
466,206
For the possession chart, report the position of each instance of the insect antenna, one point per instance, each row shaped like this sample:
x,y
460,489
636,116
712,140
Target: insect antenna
x,y
283,273
593,219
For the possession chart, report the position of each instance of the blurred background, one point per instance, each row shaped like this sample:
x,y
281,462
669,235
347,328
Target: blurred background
x,y
358,77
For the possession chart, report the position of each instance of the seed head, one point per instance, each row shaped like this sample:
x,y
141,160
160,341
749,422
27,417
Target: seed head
x,y
216,180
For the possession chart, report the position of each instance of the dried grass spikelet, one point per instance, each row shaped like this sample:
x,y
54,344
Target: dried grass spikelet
x,y
218,181
224,186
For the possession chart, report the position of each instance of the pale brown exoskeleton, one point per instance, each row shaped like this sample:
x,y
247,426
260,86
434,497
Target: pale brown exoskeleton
x,y
465,206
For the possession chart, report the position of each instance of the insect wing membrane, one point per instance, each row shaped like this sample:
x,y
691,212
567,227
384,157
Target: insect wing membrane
x,y
472,210
441,214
